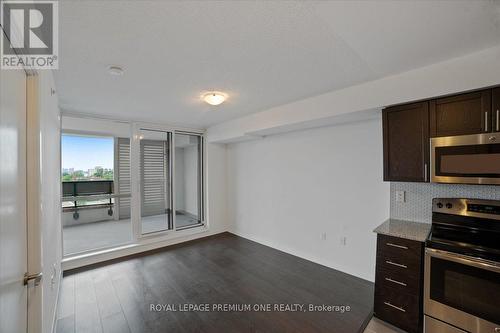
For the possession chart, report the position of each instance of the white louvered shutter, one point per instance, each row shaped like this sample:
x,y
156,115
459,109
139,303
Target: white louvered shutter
x,y
124,176
154,177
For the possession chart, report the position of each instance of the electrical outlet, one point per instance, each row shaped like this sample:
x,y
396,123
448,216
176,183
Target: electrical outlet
x,y
400,196
343,241
323,236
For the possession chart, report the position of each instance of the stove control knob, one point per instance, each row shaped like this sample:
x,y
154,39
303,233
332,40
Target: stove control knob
x,y
449,205
440,205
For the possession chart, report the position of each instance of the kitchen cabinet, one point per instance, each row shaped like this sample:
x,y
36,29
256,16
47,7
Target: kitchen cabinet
x,y
399,282
406,142
463,114
495,110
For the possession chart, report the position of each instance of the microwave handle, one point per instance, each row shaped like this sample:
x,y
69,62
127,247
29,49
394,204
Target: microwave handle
x,y
465,260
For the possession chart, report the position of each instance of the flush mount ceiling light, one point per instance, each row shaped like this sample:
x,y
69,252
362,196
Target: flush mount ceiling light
x,y
115,70
214,97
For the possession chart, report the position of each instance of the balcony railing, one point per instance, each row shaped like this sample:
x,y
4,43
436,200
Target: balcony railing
x,y
87,194
90,194
87,187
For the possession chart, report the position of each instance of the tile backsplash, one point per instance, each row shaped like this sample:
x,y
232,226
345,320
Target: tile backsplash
x,y
418,203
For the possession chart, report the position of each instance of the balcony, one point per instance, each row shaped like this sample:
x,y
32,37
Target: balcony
x,y
94,217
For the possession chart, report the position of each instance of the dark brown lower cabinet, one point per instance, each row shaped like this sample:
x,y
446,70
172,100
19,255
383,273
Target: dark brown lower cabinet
x,y
399,282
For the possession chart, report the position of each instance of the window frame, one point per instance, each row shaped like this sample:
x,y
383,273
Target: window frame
x,y
138,240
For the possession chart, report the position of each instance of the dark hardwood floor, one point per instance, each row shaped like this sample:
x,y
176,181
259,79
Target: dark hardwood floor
x,y
220,269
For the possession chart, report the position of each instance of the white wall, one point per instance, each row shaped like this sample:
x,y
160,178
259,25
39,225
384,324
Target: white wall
x,y
77,124
216,189
286,190
50,196
191,179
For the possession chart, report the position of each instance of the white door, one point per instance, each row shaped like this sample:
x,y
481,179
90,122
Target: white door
x,y
13,222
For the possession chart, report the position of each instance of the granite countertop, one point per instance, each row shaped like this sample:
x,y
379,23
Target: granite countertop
x,y
404,229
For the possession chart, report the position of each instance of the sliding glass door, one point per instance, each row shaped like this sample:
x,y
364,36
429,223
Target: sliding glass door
x,y
155,181
161,187
188,180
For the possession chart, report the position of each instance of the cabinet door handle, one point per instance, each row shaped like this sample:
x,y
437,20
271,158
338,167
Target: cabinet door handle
x,y
396,282
395,264
498,123
486,121
398,246
395,307
425,171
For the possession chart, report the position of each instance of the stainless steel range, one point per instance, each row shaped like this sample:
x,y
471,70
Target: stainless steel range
x,y
462,267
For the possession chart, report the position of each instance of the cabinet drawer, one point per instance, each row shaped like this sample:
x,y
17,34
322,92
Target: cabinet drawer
x,y
397,279
402,251
399,309
399,263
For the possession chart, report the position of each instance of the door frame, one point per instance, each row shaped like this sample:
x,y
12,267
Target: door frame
x,y
135,176
33,199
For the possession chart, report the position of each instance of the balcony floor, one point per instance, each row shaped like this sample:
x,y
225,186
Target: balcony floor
x,y
98,235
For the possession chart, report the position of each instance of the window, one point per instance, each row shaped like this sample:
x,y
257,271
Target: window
x,y
130,186
96,192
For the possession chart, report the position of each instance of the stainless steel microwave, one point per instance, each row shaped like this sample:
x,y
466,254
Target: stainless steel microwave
x,y
466,159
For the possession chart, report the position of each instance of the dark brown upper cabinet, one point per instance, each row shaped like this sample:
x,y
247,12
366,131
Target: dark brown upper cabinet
x,y
406,142
495,124
463,114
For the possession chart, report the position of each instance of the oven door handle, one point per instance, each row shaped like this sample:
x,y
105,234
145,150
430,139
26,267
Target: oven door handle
x,y
465,260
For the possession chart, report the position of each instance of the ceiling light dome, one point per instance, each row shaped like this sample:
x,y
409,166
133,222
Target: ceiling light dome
x,y
214,97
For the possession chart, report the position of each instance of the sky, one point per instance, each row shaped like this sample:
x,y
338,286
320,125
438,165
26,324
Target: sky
x,y
86,152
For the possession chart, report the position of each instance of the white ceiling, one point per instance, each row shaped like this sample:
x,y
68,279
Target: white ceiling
x,y
263,54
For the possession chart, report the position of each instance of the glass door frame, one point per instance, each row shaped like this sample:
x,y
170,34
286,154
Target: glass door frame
x,y
160,136
136,137
201,178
